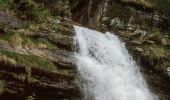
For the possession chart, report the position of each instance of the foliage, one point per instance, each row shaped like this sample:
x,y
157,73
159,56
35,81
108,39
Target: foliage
x,y
32,97
15,40
6,4
33,10
154,53
27,8
157,37
57,7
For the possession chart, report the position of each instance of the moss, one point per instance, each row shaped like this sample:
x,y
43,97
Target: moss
x,y
29,60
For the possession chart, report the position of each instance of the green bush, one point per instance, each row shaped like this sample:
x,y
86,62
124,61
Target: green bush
x,y
33,10
6,4
154,54
32,97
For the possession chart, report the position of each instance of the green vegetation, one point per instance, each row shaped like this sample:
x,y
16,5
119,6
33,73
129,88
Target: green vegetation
x,y
33,10
155,56
28,60
20,38
32,97
1,86
162,4
154,52
157,37
6,4
27,9
8,34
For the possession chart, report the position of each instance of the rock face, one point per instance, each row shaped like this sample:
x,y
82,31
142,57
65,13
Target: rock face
x,y
36,62
36,41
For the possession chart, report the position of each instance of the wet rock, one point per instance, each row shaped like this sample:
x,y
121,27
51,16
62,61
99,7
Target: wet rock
x,y
168,69
131,27
62,41
139,32
135,42
149,42
105,19
139,49
117,23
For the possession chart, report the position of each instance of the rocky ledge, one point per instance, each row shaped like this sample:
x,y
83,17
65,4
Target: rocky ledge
x,y
35,59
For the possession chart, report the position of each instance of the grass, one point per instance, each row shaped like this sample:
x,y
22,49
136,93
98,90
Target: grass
x,y
154,53
28,60
39,43
6,59
20,38
15,40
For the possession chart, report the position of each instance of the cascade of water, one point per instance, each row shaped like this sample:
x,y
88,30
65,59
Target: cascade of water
x,y
106,70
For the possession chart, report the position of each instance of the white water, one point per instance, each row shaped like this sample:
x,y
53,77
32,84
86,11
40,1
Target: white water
x,y
106,70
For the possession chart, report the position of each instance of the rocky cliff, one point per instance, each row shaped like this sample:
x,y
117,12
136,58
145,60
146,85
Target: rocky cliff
x,y
36,43
35,52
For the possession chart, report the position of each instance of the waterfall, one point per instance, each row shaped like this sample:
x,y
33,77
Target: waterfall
x,y
105,69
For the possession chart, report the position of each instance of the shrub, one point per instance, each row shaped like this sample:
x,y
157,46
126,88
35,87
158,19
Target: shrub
x,y
154,54
157,37
6,4
33,10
